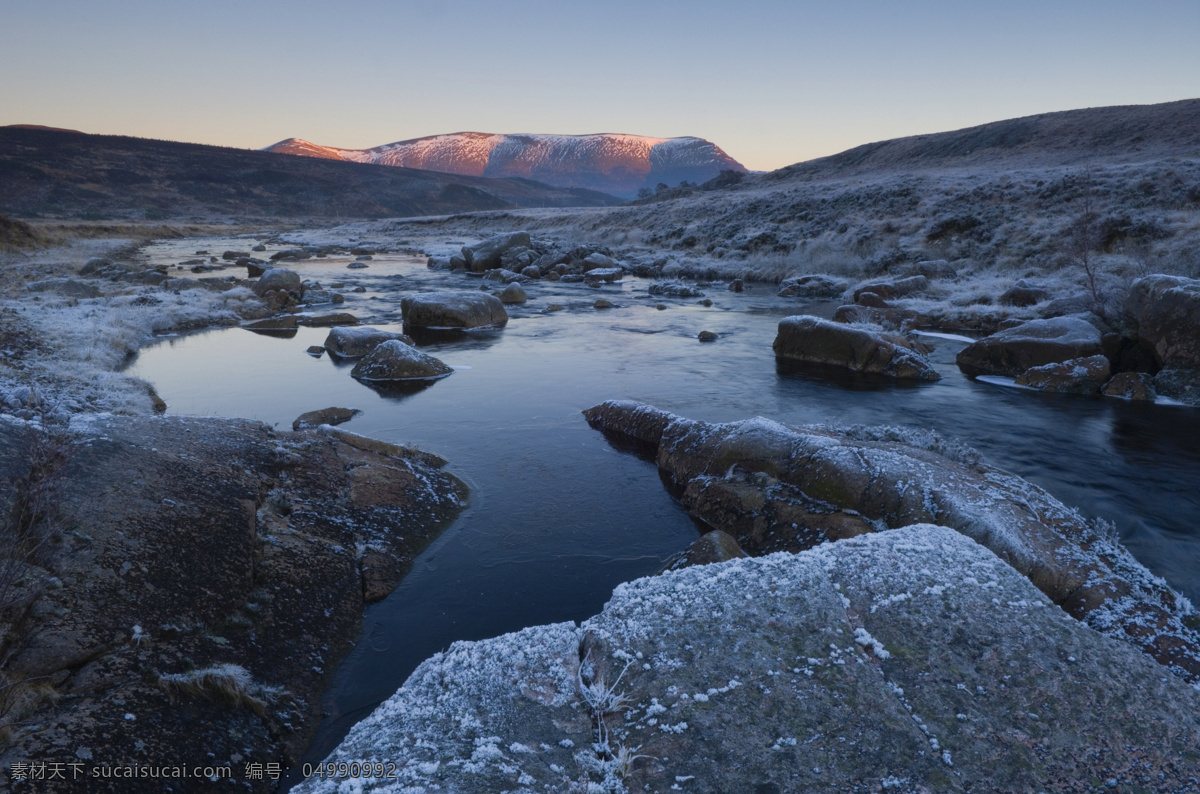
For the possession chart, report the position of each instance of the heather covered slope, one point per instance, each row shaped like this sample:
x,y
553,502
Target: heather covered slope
x,y
1124,133
61,173
617,164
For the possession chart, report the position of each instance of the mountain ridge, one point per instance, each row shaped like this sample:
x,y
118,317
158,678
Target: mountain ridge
x,y
616,163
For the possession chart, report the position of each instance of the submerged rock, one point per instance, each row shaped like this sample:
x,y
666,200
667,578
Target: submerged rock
x,y
817,341
1075,376
452,309
1030,344
1179,384
847,667
395,361
780,488
356,342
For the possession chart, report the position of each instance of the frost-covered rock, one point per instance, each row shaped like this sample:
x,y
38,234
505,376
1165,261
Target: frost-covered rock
x,y
815,286
1022,294
714,546
1131,386
914,658
674,289
1030,344
487,254
605,274
356,342
70,287
1179,384
513,294
817,341
887,317
452,309
394,361
325,416
893,288
277,279
775,487
1075,376
1167,312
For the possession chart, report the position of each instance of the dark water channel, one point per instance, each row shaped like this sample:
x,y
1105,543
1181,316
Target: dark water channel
x,y
558,517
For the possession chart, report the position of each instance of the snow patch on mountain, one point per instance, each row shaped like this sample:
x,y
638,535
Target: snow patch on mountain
x,y
614,163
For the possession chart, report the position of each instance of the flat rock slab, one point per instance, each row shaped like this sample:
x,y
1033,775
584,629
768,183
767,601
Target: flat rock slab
x,y
452,309
198,543
817,341
912,660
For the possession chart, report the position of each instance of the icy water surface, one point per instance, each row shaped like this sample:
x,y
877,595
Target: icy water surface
x,y
558,517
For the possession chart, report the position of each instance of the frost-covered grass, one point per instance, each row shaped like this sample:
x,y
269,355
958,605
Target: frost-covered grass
x,y
64,354
994,226
229,684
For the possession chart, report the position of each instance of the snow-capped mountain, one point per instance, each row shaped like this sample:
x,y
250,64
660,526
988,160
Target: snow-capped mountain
x,y
612,163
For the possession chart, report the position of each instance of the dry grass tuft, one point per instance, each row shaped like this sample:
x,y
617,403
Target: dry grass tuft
x,y
229,684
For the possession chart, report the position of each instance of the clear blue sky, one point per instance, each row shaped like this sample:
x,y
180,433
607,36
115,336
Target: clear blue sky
x,y
771,82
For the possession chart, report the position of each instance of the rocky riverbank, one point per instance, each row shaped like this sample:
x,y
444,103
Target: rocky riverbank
x,y
175,592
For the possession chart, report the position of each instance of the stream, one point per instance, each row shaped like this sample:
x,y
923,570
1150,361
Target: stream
x,y
557,516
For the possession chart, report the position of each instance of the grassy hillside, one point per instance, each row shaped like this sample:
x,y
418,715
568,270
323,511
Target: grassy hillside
x,y
60,173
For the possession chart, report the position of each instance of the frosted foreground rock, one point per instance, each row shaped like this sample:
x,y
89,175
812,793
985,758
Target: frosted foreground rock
x,y
780,488
912,660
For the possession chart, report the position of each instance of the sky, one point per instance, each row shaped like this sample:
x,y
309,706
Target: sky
x,y
772,82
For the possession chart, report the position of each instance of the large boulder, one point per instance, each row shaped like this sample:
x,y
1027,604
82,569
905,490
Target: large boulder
x,y
1167,312
452,309
395,361
817,341
488,254
1074,376
277,279
352,342
911,661
781,488
1030,344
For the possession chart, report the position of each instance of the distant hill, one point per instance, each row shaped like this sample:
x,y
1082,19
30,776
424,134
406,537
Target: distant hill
x,y
1123,133
60,173
616,164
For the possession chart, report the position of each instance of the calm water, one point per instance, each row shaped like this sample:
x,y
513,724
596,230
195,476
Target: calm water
x,y
558,517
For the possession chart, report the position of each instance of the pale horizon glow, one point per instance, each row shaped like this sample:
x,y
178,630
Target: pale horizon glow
x,y
772,83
